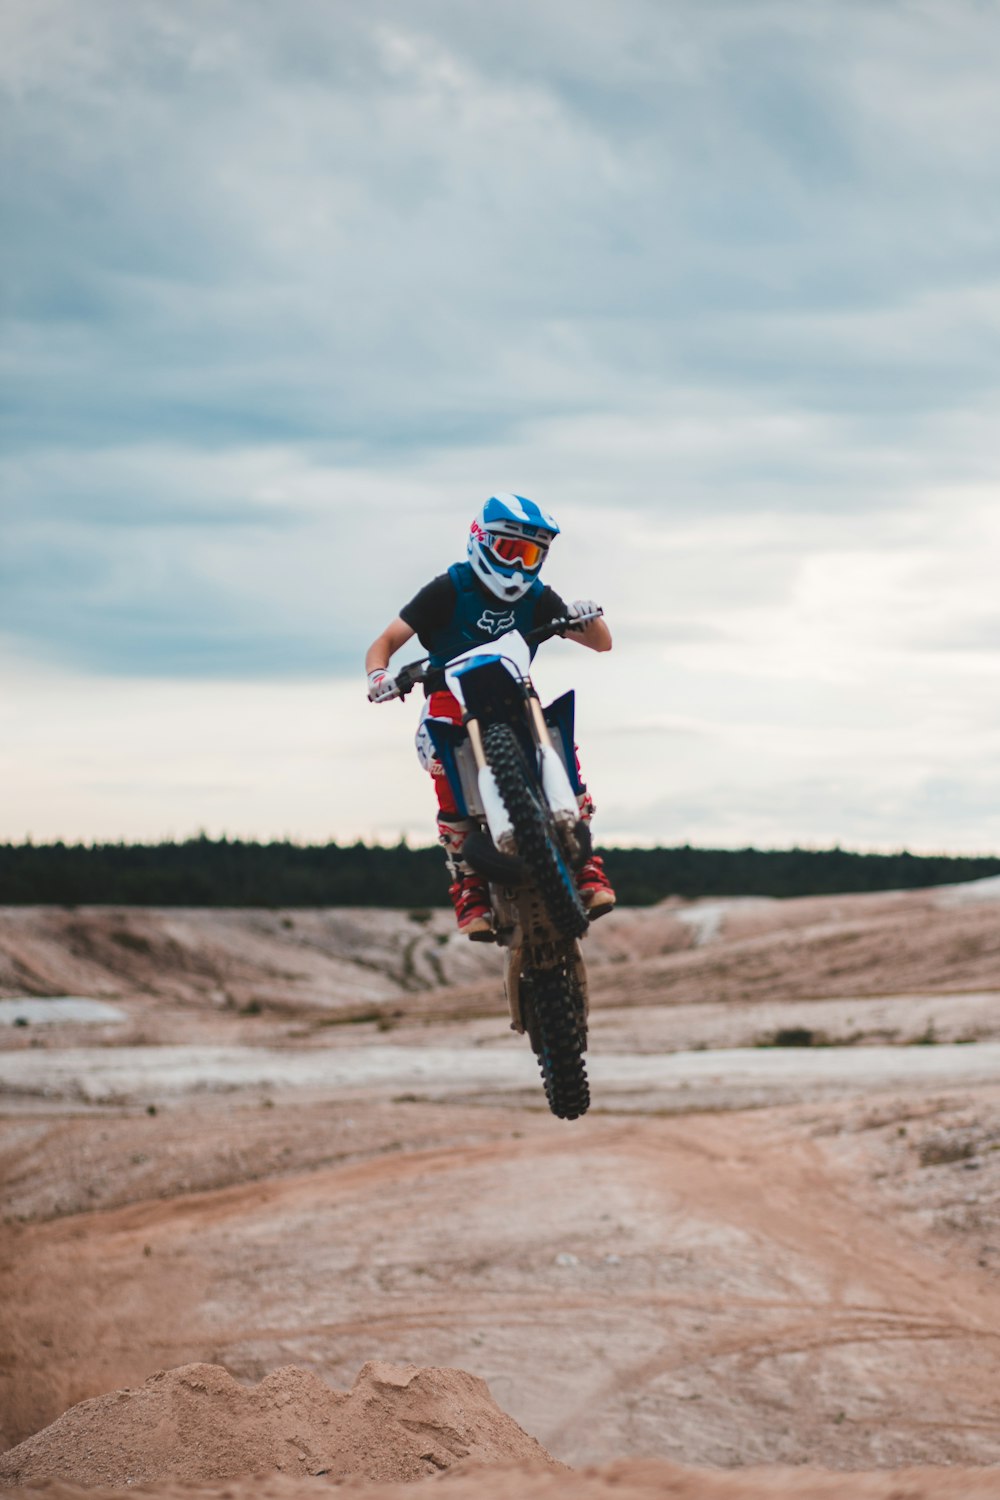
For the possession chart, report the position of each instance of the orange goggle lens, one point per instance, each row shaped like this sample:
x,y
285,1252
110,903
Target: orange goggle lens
x,y
515,549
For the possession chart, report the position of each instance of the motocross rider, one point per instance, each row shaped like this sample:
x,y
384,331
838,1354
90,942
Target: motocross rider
x,y
496,590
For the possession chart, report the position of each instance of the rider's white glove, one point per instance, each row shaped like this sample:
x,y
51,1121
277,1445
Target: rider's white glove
x,y
580,608
381,686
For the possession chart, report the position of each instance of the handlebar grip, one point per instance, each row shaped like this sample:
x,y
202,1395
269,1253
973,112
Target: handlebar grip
x,y
407,677
579,622
559,626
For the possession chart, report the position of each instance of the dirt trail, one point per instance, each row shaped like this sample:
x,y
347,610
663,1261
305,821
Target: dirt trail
x,y
648,1479
658,1481
810,1280
713,1289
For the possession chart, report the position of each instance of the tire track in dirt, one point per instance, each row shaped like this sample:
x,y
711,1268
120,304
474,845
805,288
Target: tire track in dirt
x,y
684,1282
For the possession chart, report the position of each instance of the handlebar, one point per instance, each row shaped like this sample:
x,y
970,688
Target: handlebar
x,y
418,671
560,625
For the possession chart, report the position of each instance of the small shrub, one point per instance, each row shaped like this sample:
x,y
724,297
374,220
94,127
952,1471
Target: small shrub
x,y
794,1036
133,941
940,1150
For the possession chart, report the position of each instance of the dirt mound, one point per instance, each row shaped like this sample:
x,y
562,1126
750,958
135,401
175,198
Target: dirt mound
x,y
345,960
197,1423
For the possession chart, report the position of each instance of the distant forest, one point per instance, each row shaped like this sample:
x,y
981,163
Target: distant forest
x,y
225,872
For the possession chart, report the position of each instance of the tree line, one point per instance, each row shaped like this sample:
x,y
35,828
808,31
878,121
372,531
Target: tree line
x,y
231,872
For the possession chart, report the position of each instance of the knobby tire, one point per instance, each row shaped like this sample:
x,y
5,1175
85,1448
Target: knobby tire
x,y
558,1029
536,840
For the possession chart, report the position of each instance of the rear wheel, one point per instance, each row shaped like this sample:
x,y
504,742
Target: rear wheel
x,y
554,1011
537,843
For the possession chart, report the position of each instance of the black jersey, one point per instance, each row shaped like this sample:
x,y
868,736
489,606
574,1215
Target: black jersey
x,y
430,611
455,611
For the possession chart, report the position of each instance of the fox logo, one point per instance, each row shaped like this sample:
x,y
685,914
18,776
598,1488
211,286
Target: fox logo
x,y
496,621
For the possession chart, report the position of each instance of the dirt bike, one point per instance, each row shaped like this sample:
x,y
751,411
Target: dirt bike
x,y
512,769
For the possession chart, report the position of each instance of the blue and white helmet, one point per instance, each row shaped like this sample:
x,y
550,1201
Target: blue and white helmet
x,y
508,542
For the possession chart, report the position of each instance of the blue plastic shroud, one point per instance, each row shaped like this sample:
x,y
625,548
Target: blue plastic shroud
x,y
446,738
560,716
474,664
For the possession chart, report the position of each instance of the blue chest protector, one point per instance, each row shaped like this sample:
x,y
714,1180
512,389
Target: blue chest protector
x,y
474,622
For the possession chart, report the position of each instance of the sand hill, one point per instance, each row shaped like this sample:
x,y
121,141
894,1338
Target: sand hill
x,y
197,1423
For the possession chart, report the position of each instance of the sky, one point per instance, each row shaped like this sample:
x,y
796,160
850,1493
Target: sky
x,y
289,291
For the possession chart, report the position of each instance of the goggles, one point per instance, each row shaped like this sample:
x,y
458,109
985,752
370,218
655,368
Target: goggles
x,y
516,549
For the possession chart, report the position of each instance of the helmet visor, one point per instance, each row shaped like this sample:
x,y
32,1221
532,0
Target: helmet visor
x,y
516,549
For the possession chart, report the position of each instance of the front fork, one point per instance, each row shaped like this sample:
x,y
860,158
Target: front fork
x,y
496,814
559,794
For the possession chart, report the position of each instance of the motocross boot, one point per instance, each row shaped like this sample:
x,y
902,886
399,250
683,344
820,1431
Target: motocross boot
x,y
471,900
596,890
469,892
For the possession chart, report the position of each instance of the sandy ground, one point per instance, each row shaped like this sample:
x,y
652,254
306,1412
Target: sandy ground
x,y
308,1141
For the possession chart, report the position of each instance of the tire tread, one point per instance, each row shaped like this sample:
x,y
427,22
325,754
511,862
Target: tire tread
x,y
535,840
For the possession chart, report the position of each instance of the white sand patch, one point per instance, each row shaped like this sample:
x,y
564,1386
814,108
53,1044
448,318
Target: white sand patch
x,y
987,889
705,921
123,1074
707,918
31,1011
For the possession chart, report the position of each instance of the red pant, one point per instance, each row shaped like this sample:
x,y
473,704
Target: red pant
x,y
444,705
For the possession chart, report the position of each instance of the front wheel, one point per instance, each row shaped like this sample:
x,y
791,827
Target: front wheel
x,y
537,843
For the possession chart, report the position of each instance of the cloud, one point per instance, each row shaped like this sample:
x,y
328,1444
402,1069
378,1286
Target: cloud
x,y
358,225
291,290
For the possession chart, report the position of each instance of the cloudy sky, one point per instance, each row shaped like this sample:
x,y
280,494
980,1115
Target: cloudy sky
x,y
288,291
